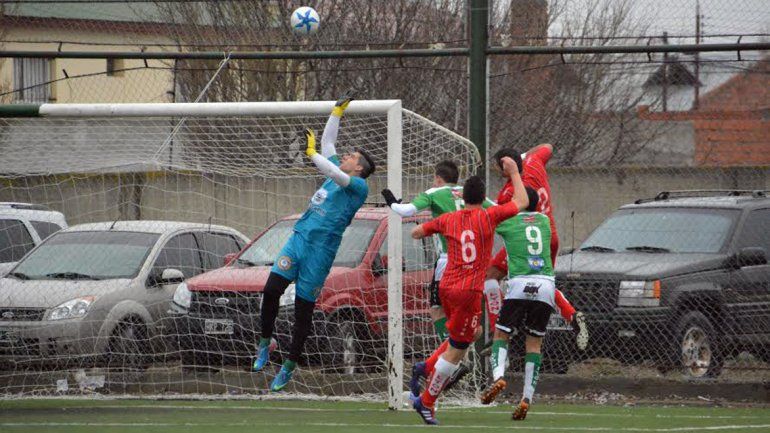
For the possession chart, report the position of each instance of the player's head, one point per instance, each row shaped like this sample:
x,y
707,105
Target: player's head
x,y
533,197
510,153
446,172
474,191
357,163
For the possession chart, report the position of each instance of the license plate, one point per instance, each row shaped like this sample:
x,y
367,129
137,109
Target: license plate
x,y
223,326
558,323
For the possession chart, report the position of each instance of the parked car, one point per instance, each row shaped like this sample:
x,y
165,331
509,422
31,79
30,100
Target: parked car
x,y
102,288
219,310
22,226
681,279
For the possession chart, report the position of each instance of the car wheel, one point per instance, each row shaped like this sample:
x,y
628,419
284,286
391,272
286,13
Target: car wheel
x,y
345,346
698,346
128,345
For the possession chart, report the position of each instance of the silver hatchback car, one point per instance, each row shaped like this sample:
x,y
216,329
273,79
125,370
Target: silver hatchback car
x,y
100,291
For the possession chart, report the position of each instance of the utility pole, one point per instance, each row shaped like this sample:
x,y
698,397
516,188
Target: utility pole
x,y
696,102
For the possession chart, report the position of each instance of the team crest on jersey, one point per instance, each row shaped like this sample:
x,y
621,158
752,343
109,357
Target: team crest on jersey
x,y
284,263
319,197
536,263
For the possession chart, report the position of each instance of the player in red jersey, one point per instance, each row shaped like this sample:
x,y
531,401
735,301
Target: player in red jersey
x,y
534,175
469,235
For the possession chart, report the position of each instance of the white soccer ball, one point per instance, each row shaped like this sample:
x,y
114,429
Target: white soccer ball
x,y
305,20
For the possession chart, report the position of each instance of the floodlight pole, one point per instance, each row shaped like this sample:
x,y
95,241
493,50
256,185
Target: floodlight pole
x,y
477,85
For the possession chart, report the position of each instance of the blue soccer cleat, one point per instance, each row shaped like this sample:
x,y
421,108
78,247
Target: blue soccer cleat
x,y
281,379
428,414
263,355
418,371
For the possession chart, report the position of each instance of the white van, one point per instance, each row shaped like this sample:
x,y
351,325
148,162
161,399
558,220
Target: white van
x,y
22,226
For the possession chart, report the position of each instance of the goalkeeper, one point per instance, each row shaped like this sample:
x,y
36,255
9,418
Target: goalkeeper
x,y
307,256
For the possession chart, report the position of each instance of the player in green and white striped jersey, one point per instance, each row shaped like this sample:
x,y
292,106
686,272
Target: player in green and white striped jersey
x,y
529,300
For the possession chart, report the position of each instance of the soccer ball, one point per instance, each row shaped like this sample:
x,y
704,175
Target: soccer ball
x,y
305,20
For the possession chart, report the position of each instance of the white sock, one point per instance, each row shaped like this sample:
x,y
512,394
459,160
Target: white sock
x,y
529,383
494,296
441,375
502,358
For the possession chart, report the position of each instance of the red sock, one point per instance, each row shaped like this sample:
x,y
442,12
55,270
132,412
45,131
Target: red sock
x,y
430,364
437,381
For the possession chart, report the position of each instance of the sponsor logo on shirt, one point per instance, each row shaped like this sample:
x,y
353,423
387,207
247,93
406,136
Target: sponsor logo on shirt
x,y
529,219
319,197
531,289
536,263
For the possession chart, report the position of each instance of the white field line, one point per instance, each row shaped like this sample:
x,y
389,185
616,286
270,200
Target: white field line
x,y
453,409
397,426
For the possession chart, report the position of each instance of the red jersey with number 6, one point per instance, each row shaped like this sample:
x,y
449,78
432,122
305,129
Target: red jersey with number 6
x,y
470,238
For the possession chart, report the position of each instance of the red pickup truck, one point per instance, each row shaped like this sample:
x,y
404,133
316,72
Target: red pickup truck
x,y
221,324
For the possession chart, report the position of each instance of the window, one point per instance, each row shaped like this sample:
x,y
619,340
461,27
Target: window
x,y
115,67
44,228
15,240
182,253
31,80
756,230
97,254
418,254
215,246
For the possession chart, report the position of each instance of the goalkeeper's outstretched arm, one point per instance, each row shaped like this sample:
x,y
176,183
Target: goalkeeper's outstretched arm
x,y
329,136
326,167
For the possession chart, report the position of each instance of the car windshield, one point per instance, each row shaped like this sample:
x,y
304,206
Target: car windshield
x,y
663,230
355,241
88,255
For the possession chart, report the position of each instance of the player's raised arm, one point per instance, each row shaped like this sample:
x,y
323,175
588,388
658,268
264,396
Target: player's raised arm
x,y
429,228
329,136
326,167
403,209
543,151
520,199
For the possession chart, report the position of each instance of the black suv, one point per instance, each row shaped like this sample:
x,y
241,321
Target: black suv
x,y
681,279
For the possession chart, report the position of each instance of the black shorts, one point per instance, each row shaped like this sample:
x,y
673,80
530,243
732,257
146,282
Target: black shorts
x,y
529,316
435,300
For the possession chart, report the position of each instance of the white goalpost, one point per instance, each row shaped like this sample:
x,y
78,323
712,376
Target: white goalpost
x,y
227,165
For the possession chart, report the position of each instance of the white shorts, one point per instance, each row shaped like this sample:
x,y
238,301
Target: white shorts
x,y
532,288
440,267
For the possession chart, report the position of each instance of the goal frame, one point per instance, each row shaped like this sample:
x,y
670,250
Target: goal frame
x,y
391,109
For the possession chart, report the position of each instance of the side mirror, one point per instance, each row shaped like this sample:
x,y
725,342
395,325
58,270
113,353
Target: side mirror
x,y
752,256
171,276
229,258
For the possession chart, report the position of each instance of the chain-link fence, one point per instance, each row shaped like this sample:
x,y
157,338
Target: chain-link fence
x,y
673,289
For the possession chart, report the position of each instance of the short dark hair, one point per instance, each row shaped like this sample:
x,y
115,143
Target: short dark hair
x,y
474,190
448,171
367,165
510,153
533,197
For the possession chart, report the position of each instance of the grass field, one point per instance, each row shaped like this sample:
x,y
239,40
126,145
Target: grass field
x,y
320,417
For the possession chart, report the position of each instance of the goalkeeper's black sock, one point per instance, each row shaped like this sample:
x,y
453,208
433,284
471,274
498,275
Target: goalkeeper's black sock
x,y
274,288
303,322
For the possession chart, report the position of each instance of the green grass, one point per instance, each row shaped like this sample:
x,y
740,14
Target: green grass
x,y
274,416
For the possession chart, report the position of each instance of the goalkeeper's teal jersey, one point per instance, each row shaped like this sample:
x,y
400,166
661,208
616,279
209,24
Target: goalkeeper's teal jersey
x,y
331,210
441,200
527,238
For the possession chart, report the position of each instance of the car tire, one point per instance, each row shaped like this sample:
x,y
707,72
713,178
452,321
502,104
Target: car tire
x,y
128,346
698,348
345,345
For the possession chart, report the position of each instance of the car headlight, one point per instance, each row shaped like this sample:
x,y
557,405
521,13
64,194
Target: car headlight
x,y
73,309
288,296
182,296
639,293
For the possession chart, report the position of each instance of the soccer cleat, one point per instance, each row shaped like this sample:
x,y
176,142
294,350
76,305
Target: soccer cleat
x,y
428,414
281,379
493,391
418,372
263,355
521,410
581,330
458,375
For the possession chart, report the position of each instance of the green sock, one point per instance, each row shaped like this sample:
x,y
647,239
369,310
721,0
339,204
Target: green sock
x,y
532,363
499,355
264,342
440,327
289,365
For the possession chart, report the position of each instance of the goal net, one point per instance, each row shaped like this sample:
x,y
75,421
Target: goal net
x,y
155,194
